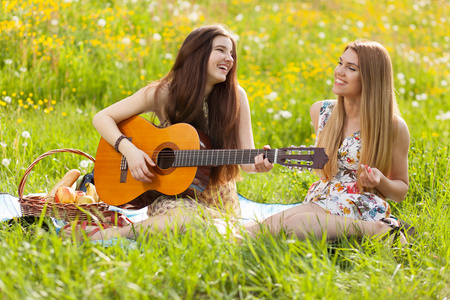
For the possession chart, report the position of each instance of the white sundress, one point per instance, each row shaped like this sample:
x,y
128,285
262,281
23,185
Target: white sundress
x,y
341,195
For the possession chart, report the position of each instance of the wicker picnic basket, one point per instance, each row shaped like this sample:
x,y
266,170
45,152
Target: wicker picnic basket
x,y
36,205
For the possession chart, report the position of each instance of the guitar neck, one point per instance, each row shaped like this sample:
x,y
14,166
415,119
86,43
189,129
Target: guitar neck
x,y
217,157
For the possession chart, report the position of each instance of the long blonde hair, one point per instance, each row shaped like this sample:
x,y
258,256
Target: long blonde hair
x,y
378,112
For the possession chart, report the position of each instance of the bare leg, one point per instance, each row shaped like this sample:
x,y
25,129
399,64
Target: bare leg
x,y
175,218
307,219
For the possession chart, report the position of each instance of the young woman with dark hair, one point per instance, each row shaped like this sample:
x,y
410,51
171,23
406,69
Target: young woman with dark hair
x,y
202,90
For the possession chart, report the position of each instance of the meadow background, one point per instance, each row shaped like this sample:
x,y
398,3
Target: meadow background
x,y
62,61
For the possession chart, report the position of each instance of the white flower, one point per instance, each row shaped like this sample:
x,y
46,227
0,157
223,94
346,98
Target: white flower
x,y
156,37
443,116
443,83
285,114
272,96
143,72
142,42
6,162
15,19
269,110
3,144
415,103
23,69
412,80
8,61
300,42
168,56
322,35
25,144
412,27
329,82
344,40
322,24
402,90
26,134
395,28
194,16
345,27
7,99
359,24
400,76
84,163
119,65
156,19
101,23
257,8
275,7
54,22
239,17
126,40
79,111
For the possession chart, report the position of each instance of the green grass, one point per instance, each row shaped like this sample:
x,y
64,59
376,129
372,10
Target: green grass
x,y
59,66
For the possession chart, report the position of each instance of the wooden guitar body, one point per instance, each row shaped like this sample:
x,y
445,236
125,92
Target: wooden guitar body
x,y
116,187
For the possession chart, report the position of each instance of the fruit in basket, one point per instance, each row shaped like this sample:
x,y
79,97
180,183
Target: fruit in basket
x,y
86,199
68,180
65,194
91,191
79,194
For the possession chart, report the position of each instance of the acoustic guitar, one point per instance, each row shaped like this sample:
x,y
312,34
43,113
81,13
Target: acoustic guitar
x,y
183,158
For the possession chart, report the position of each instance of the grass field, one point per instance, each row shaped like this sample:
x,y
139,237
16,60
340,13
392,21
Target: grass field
x,y
62,61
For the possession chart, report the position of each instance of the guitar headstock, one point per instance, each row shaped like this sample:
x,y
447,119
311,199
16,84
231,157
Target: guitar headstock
x,y
302,157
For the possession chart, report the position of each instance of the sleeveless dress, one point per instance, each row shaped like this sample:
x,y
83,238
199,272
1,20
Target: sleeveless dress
x,y
341,195
218,201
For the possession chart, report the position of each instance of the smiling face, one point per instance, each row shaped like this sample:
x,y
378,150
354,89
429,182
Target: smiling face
x,y
220,61
347,76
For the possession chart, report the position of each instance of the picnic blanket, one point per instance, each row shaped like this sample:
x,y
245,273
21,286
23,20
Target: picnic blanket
x,y
251,210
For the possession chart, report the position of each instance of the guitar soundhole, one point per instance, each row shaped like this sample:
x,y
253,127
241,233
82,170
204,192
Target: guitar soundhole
x,y
165,159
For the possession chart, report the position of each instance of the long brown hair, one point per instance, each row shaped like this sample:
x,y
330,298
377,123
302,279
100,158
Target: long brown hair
x,y
377,113
186,84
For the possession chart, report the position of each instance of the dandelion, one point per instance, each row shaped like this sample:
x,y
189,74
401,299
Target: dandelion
x,y
239,17
142,42
412,80
345,27
402,90
359,24
415,104
275,7
126,40
395,28
272,96
156,37
400,76
329,82
84,163
194,16
101,23
7,99
257,8
168,56
322,24
285,114
119,65
54,22
443,116
3,144
23,69
26,135
344,40
79,110
300,42
443,83
6,162
269,110
8,61
143,72
322,35
25,144
412,27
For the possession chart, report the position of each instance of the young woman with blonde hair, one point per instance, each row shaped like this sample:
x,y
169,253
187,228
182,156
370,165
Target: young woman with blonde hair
x,y
367,143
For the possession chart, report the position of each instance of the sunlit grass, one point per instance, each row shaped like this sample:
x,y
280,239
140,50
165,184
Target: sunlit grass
x,y
62,61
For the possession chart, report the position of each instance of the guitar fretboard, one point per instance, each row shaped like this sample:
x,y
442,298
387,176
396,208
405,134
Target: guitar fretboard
x,y
189,158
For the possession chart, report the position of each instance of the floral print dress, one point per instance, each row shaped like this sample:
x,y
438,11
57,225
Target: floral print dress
x,y
341,195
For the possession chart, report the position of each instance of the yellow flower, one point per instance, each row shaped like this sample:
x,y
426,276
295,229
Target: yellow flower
x,y
19,120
